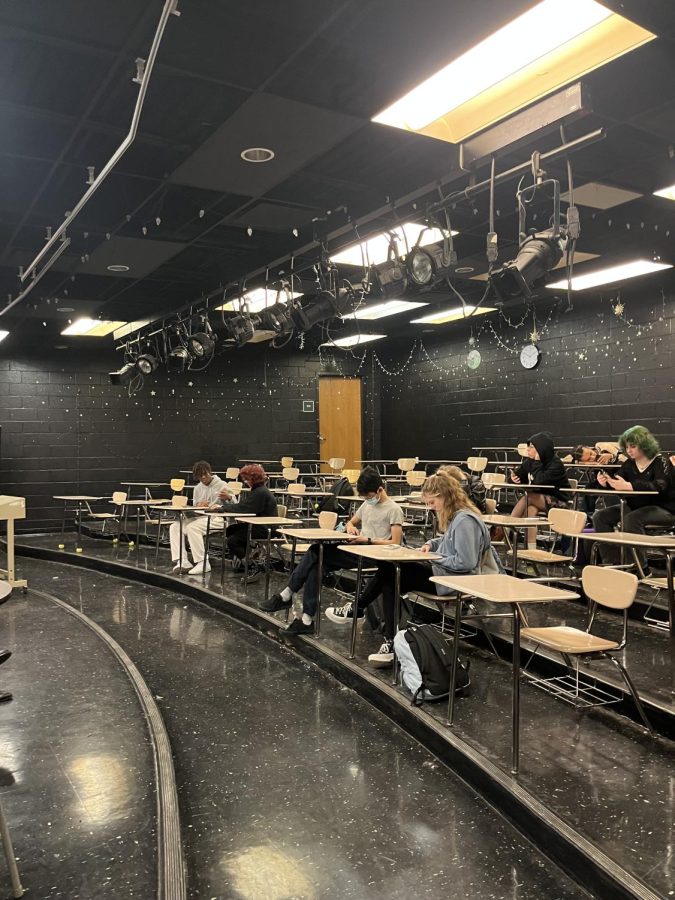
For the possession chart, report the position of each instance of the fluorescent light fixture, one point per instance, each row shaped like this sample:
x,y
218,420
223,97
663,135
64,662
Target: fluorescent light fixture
x,y
538,52
668,192
600,196
3,335
381,310
376,249
353,340
611,274
441,316
259,299
92,327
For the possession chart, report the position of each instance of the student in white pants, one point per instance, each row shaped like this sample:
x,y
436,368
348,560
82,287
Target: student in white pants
x,y
205,494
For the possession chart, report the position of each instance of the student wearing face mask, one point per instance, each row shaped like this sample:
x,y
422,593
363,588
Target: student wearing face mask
x,y
463,546
377,521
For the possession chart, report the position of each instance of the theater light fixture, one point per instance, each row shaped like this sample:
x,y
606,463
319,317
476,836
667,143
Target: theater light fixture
x,y
258,299
542,50
326,306
123,375
147,363
381,310
667,192
441,316
3,335
612,274
178,359
354,340
427,265
377,249
201,345
521,276
240,329
92,328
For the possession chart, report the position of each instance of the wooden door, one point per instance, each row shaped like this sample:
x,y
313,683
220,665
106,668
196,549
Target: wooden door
x,y
340,420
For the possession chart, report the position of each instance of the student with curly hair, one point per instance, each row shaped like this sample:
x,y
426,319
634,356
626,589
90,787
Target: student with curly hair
x,y
646,469
205,494
258,501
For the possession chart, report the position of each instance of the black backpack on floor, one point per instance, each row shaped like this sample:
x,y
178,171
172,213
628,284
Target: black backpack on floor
x,y
433,655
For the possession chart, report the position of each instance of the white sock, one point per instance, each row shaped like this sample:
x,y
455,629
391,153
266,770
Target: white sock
x,y
306,620
532,546
286,594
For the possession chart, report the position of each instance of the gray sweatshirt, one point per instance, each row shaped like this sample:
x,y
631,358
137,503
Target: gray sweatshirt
x,y
208,492
462,548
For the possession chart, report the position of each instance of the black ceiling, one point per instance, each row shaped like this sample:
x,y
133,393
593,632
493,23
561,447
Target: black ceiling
x,y
303,77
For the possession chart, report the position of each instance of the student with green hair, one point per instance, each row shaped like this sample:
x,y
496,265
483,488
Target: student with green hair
x,y
646,469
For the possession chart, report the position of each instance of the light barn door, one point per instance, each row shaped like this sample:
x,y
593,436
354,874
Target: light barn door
x,y
340,420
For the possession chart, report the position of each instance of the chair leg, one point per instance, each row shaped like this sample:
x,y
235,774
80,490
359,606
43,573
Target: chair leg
x,y
17,888
634,694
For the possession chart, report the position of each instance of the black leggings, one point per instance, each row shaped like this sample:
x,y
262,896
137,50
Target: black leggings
x,y
414,576
236,537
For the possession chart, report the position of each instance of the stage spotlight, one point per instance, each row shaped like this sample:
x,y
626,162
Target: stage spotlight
x,y
520,277
429,265
201,344
146,363
326,306
391,278
123,375
178,359
277,318
240,329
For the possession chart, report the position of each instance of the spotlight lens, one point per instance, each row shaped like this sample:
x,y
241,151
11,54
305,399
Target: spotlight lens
x,y
147,363
421,268
201,345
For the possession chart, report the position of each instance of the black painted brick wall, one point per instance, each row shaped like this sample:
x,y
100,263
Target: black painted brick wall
x,y
599,374
66,429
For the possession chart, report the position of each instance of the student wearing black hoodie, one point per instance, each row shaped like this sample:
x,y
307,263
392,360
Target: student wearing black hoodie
x,y
542,466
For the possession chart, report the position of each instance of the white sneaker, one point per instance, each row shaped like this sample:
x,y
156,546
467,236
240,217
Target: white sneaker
x,y
384,656
199,568
177,569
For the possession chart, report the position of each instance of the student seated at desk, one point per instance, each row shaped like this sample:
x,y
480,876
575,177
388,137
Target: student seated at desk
x,y
204,495
603,453
542,466
646,469
464,547
472,485
377,521
258,501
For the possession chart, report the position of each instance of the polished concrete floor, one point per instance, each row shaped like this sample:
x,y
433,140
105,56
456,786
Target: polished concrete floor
x,y
82,810
597,770
290,786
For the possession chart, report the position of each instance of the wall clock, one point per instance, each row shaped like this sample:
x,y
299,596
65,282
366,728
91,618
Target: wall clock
x,y
530,356
473,359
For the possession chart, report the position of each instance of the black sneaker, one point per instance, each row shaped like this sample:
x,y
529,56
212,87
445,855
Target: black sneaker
x,y
343,614
275,603
254,572
297,626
